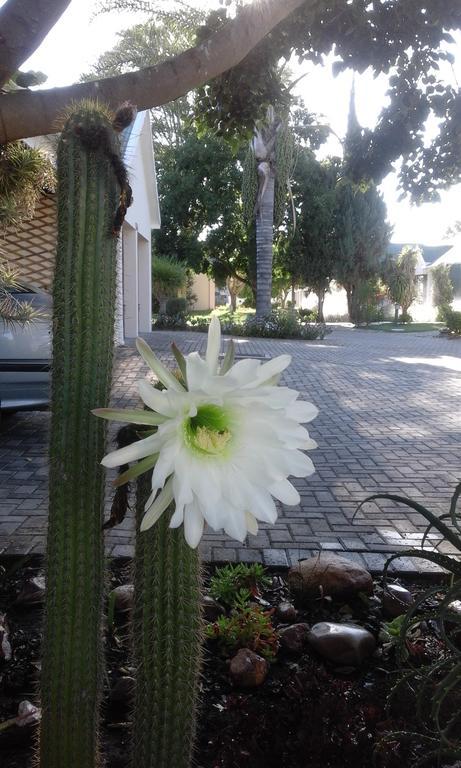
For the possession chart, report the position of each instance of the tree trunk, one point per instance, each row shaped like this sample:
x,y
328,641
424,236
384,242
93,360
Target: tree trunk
x,y
35,113
396,313
162,306
353,305
349,301
321,298
264,248
233,299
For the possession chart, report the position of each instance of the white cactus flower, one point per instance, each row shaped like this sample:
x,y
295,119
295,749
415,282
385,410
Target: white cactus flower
x,y
225,443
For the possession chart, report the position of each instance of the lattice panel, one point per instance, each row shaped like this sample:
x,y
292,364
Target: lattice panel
x,y
30,248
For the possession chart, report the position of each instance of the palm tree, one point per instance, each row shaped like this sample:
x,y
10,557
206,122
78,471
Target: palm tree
x,y
270,176
263,144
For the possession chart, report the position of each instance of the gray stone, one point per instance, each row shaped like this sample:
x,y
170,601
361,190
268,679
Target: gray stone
x,y
123,597
28,714
32,592
212,610
329,575
248,669
396,600
343,644
293,638
286,613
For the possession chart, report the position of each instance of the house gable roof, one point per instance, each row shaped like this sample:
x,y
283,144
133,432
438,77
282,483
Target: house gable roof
x,y
430,253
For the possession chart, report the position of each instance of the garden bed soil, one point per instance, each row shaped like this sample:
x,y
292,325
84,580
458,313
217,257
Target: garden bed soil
x,y
307,714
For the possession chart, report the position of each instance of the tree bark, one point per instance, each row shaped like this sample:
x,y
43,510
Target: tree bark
x,y
264,248
24,25
321,299
34,113
162,305
349,300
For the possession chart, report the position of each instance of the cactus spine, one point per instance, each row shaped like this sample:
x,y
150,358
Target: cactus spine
x,y
83,321
167,633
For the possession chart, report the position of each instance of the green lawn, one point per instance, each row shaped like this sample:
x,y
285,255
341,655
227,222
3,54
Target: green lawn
x,y
390,327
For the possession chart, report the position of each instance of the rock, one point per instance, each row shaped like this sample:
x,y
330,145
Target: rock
x,y
28,714
343,644
396,600
455,607
123,597
212,610
286,613
247,669
32,592
122,690
329,575
293,638
5,645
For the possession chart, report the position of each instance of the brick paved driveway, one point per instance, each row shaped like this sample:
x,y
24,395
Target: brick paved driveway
x,y
390,420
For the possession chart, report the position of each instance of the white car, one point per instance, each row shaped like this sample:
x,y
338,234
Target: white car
x,y
25,355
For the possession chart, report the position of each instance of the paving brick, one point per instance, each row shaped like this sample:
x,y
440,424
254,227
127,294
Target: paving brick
x,y
383,426
275,557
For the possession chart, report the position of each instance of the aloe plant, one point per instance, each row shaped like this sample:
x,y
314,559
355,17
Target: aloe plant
x,y
432,685
167,635
89,176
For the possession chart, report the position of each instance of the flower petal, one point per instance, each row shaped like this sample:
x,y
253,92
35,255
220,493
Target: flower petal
x,y
193,525
236,524
164,375
273,368
299,464
133,452
177,518
165,464
252,524
155,510
302,411
155,399
197,372
213,345
285,492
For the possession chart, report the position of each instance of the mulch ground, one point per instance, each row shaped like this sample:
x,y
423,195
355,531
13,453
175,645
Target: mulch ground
x,y
307,714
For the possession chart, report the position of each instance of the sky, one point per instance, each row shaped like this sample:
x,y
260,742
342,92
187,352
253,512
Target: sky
x,y
79,38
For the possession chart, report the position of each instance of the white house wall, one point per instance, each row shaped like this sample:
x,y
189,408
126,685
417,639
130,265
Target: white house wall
x,y
144,285
130,281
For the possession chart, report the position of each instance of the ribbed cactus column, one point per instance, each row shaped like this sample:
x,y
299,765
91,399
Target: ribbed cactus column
x,y
83,321
167,633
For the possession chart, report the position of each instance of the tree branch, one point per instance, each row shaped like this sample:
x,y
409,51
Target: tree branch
x,y
34,113
24,25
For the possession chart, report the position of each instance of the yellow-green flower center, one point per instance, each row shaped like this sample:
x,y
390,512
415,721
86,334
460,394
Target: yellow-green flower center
x,y
208,432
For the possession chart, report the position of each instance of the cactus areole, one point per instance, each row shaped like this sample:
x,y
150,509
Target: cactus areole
x,y
93,194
